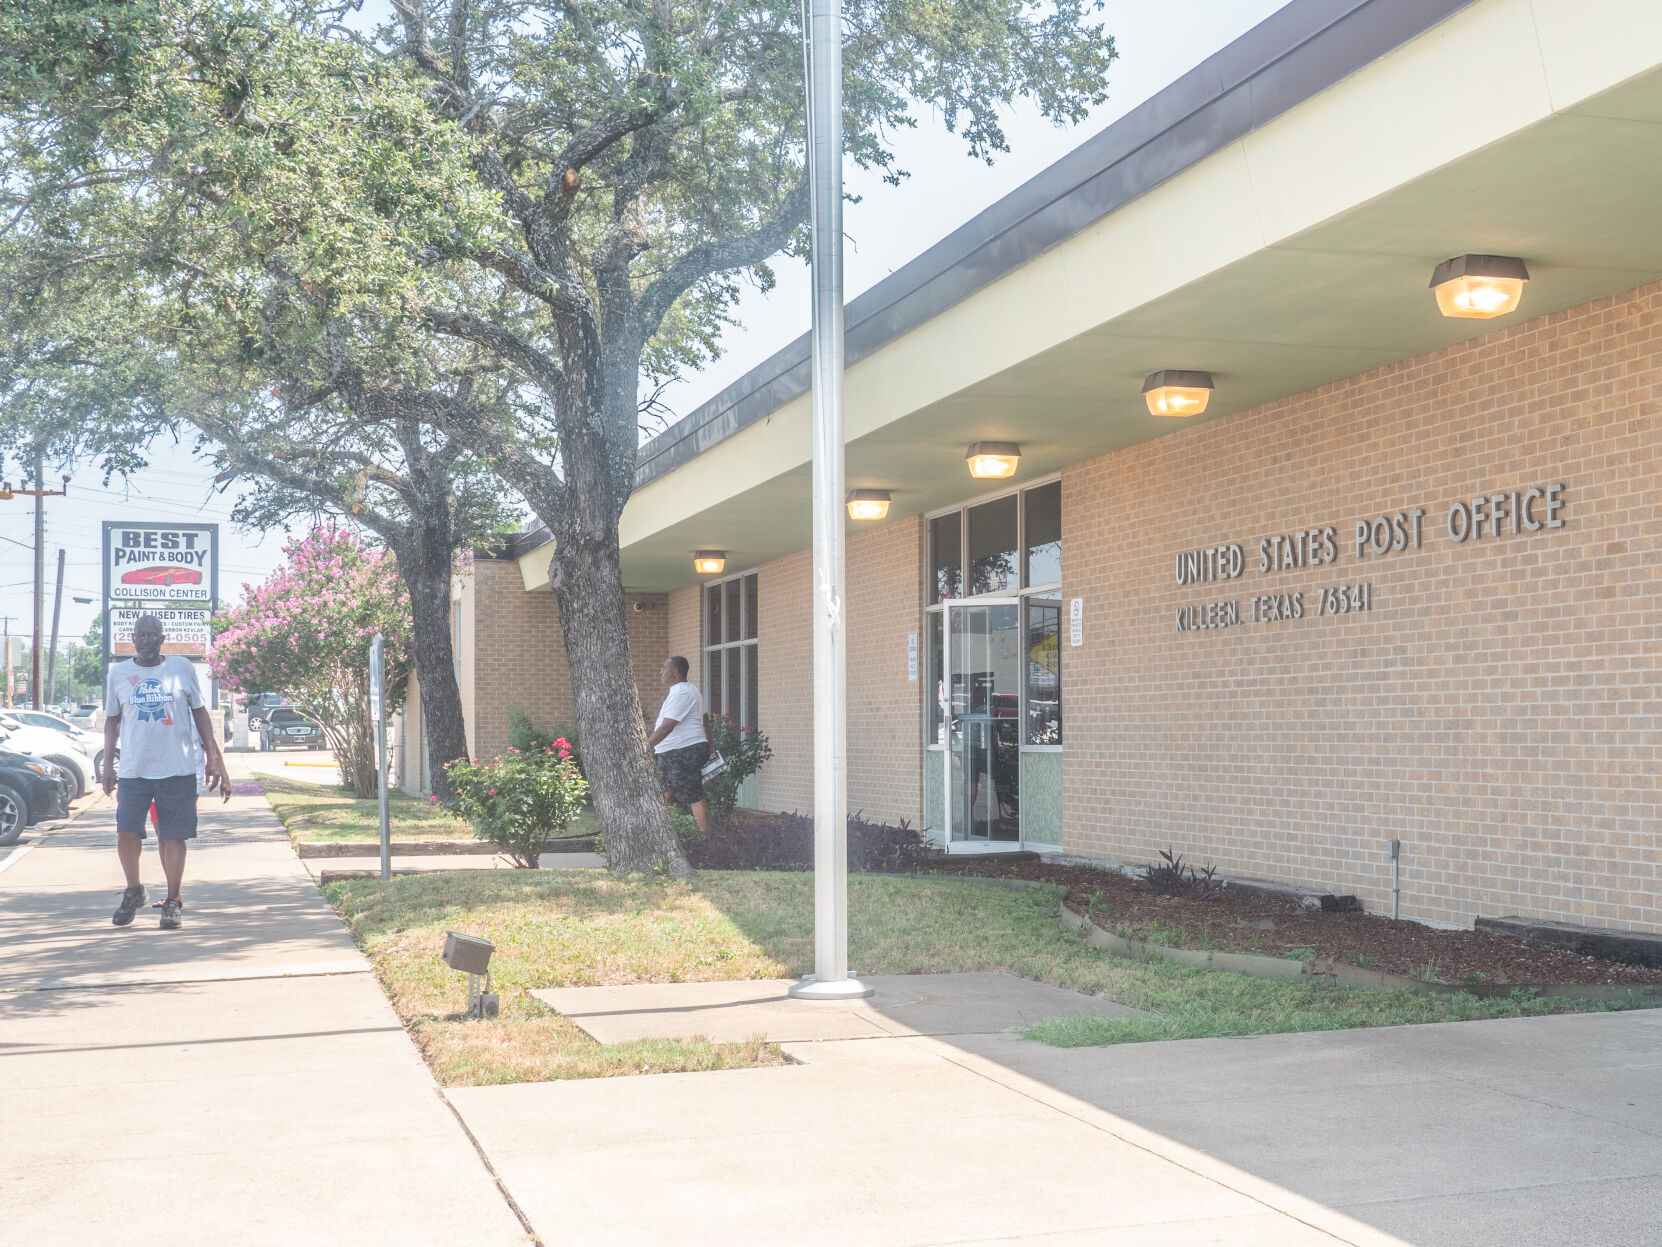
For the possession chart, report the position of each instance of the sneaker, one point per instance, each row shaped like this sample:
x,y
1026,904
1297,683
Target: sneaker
x,y
131,899
172,915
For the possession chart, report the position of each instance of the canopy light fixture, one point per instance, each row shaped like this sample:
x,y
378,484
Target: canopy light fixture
x,y
868,504
1479,287
1176,392
992,461
709,562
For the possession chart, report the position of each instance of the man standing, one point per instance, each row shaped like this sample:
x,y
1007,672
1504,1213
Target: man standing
x,y
679,743
153,704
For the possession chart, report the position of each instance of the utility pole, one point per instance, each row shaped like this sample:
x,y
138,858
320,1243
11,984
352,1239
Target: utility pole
x,y
40,494
52,651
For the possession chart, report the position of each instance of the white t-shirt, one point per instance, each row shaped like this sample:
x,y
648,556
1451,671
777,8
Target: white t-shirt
x,y
158,735
686,707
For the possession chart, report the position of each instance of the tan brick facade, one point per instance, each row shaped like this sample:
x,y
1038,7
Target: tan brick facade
x,y
885,727
1496,708
512,654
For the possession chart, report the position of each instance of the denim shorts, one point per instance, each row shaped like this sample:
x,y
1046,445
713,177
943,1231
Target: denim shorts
x,y
175,799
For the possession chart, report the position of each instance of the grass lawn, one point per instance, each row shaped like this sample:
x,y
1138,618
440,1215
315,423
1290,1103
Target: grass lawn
x,y
331,812
570,928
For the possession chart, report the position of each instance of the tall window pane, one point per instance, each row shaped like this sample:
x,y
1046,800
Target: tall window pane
x,y
992,546
1043,669
732,704
752,697
735,592
946,555
1044,534
712,615
750,607
711,688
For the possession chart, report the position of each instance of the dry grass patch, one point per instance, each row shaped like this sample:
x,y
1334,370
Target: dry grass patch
x,y
574,928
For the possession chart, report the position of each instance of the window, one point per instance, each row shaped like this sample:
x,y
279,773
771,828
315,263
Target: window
x,y
730,665
1007,546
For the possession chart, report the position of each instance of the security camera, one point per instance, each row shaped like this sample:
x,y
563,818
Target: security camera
x,y
643,606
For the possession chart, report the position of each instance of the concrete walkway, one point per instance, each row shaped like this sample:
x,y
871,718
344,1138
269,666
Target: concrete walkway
x,y
245,1081
242,1080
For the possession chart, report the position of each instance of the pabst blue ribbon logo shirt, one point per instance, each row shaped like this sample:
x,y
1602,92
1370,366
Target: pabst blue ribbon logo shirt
x,y
158,737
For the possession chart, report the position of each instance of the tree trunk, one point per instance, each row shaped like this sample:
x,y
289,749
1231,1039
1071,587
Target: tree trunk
x,y
634,822
426,572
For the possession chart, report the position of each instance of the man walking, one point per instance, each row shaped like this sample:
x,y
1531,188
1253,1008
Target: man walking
x,y
679,743
153,707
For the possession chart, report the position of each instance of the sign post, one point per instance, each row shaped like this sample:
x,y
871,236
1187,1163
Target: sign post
x,y
378,716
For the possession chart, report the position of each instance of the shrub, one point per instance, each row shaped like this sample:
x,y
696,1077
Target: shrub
x,y
520,798
745,749
1173,878
755,841
526,734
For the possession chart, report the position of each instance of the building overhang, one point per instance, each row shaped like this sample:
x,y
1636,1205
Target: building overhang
x,y
1272,219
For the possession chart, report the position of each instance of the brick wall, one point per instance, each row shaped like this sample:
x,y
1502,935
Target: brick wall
x,y
513,653
885,731
1496,708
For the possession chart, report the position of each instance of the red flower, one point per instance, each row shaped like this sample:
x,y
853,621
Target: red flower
x,y
565,755
493,792
511,749
562,743
432,800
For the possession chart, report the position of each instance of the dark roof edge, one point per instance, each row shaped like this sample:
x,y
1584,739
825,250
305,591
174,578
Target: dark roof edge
x,y
1292,55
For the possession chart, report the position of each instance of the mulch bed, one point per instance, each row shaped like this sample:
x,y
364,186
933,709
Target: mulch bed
x,y
1230,922
1237,922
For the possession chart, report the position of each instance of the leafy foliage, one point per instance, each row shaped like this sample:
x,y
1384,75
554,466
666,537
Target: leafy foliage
x,y
307,631
746,750
1170,877
520,799
526,734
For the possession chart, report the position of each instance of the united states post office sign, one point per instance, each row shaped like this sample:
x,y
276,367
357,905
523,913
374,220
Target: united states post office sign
x,y
161,564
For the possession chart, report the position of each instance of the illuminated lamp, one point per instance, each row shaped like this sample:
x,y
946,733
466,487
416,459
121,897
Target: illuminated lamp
x,y
868,504
1479,287
709,562
992,461
1175,392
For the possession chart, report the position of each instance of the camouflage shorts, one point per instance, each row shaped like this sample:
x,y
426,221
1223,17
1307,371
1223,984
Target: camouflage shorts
x,y
678,772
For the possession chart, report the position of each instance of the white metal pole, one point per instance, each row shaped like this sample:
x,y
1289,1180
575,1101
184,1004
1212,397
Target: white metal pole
x,y
378,709
830,980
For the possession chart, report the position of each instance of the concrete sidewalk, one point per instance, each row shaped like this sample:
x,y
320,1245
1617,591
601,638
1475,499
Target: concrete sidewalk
x,y
242,1080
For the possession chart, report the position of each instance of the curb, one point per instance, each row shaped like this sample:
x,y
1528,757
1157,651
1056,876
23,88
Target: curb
x,y
431,848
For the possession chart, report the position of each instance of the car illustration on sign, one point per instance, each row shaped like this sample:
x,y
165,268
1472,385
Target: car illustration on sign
x,y
162,576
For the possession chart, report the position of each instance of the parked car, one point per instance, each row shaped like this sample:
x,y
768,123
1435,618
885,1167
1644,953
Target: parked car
x,y
90,742
31,789
55,747
260,707
84,714
287,728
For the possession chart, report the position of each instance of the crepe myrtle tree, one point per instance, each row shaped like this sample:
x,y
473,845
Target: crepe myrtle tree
x,y
307,630
646,153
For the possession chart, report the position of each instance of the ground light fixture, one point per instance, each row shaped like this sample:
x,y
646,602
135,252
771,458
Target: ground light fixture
x,y
868,504
472,955
1479,287
1177,392
992,461
709,562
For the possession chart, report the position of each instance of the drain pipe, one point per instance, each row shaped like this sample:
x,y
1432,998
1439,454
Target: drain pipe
x,y
1396,862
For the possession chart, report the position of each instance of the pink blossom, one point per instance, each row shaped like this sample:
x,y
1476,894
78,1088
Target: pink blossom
x,y
432,800
493,792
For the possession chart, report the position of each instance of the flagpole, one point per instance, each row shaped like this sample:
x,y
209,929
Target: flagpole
x,y
830,980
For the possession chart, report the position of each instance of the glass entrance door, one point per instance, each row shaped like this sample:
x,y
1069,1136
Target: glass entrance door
x,y
983,670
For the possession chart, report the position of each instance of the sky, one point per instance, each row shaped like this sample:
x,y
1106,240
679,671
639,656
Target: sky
x,y
1157,40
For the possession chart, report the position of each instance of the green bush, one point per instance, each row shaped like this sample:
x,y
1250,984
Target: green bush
x,y
526,734
745,749
520,798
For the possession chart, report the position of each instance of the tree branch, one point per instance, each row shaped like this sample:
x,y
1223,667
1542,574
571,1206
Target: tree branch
x,y
544,372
